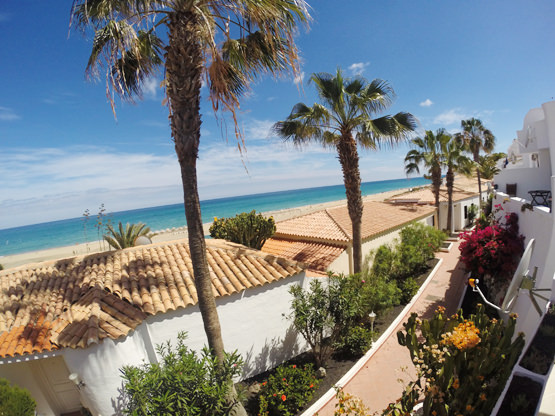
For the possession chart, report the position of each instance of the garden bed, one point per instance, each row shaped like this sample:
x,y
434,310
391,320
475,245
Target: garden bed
x,y
541,351
338,365
522,397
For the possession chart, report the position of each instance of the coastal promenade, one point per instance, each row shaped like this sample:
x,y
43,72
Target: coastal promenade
x,y
376,379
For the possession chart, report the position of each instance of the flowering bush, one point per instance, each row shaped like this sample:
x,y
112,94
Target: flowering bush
x,y
287,390
462,365
494,250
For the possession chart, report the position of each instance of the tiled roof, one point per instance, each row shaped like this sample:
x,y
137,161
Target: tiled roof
x,y
333,225
426,196
316,225
317,256
78,302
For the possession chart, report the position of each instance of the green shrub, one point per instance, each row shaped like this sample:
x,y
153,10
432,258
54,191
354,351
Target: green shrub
x,y
409,287
379,293
15,401
250,229
409,256
312,318
182,383
287,390
357,340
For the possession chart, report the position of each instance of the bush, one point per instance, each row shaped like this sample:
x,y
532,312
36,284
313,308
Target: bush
x,y
183,383
378,293
409,256
287,390
408,289
249,229
494,250
356,341
15,400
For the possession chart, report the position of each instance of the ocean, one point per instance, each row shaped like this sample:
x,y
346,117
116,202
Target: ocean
x,y
79,230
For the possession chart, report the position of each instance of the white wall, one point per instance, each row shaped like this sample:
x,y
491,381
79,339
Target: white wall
x,y
537,224
527,179
251,321
21,374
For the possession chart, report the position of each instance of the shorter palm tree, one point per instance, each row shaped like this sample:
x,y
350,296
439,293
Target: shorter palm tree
x,y
121,238
476,138
427,151
454,159
487,165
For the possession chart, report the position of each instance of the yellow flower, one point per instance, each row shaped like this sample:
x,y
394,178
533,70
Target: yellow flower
x,y
464,336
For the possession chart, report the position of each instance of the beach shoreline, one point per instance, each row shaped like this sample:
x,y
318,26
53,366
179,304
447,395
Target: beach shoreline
x,y
56,253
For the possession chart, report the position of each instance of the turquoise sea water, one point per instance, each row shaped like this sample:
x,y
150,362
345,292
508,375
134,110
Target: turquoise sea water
x,y
72,231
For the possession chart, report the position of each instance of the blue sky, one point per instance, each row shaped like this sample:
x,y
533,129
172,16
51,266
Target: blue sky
x,y
62,151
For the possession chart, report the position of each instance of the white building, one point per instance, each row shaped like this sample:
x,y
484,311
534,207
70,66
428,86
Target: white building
x,y
91,315
524,186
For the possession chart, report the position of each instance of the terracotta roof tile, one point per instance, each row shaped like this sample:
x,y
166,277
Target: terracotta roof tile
x,y
316,225
317,256
333,225
78,302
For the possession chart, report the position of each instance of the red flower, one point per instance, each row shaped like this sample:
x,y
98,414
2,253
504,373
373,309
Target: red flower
x,y
283,397
294,366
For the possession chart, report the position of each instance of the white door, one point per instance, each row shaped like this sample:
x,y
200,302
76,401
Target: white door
x,y
52,375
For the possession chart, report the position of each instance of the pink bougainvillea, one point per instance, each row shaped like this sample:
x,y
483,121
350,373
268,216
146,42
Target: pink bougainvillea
x,y
493,250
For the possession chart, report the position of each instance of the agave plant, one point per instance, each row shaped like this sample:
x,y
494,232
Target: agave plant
x,y
121,238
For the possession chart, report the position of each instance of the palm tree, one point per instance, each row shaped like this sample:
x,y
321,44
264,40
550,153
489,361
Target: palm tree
x,y
121,238
488,165
476,138
343,120
427,151
455,161
228,42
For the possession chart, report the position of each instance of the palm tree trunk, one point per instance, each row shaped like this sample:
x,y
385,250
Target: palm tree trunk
x,y
476,156
449,181
436,185
348,157
184,63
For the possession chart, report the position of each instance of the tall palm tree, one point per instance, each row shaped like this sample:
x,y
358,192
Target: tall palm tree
x,y
343,120
228,42
454,159
427,151
476,138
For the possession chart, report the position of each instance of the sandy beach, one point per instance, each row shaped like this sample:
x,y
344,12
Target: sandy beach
x,y
169,235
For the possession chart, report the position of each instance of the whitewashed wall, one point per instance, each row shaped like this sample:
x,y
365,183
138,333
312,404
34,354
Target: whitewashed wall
x,y
458,212
251,321
20,374
537,224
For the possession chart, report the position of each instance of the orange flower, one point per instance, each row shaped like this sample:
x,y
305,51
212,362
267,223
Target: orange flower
x,y
483,397
312,385
294,366
283,397
469,408
464,336
434,413
456,384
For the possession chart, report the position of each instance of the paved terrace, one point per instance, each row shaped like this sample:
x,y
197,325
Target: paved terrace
x,y
376,381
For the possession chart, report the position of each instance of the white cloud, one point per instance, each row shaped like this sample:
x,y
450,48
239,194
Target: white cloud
x,y
358,68
7,114
449,117
150,88
426,103
299,78
258,129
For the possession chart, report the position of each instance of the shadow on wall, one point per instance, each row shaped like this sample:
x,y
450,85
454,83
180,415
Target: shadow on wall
x,y
274,353
119,404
